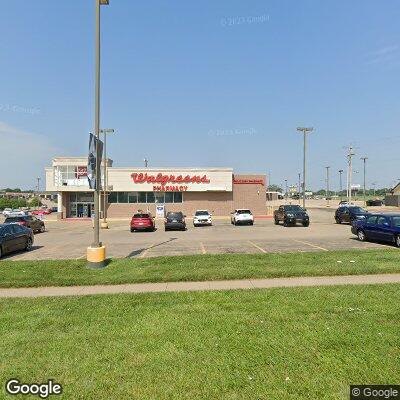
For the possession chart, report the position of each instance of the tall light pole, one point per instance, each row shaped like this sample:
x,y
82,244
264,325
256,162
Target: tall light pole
x,y
299,187
286,190
340,182
96,253
364,159
350,173
104,224
146,162
327,186
304,131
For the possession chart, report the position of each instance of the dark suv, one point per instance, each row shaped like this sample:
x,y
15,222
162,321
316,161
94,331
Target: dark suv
x,y
30,221
290,215
175,220
349,214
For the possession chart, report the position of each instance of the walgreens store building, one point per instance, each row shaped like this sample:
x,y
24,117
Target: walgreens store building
x,y
128,190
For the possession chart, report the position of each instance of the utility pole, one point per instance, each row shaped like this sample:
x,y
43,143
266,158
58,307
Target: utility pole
x,y
304,131
96,253
38,185
364,159
340,182
327,186
104,224
374,186
299,188
350,173
286,190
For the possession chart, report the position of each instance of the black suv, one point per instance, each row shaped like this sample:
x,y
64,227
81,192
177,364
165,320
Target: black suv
x,y
290,215
349,214
29,221
175,220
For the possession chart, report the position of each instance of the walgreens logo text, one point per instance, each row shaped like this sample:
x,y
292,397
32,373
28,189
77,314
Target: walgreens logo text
x,y
164,179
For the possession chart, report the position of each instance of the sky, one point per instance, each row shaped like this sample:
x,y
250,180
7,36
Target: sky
x,y
204,84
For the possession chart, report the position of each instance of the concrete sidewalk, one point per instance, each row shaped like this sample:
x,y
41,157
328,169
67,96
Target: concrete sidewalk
x,y
201,286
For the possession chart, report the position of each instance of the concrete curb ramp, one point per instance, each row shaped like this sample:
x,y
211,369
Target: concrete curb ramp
x,y
200,286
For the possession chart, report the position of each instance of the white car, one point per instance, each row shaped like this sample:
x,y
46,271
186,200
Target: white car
x,y
16,213
7,211
242,216
202,217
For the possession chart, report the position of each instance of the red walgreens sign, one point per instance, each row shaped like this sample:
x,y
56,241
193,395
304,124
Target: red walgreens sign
x,y
248,182
164,179
80,171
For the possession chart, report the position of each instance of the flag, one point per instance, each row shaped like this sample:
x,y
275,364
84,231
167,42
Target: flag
x,y
91,168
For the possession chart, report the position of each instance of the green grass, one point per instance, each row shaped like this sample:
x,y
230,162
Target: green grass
x,y
198,267
299,343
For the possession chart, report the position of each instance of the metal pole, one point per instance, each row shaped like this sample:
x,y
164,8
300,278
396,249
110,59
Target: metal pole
x,y
304,167
286,190
327,186
96,230
365,198
104,180
299,187
340,183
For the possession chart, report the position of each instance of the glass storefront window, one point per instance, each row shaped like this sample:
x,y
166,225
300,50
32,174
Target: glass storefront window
x,y
122,197
151,197
113,197
142,197
159,197
177,197
133,197
169,197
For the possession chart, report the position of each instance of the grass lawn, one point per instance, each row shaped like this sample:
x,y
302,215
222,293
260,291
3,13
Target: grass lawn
x,y
198,268
298,343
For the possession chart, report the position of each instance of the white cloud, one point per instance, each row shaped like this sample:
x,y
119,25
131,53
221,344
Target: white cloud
x,y
386,55
23,157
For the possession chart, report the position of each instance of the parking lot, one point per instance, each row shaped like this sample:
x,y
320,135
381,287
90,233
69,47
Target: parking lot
x,y
69,239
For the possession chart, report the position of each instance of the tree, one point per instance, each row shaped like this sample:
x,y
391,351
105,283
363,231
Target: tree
x,y
35,202
274,188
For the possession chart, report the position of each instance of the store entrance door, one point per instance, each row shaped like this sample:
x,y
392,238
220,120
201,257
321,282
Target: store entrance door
x,y
84,210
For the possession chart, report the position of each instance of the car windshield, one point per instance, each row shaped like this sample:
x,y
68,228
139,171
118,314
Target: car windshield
x,y
292,208
396,221
174,215
141,216
201,213
14,219
243,211
357,210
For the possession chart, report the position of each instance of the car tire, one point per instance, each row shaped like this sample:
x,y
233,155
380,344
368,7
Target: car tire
x,y
285,223
1,252
396,241
361,235
338,221
306,224
132,230
251,223
42,229
28,246
276,221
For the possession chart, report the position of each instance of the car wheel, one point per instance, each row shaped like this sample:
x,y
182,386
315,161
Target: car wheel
x,y
251,223
42,229
397,241
28,246
338,221
306,224
285,223
276,221
1,252
361,236
132,230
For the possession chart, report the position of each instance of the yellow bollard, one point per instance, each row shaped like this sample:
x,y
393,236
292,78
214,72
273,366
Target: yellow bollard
x,y
96,257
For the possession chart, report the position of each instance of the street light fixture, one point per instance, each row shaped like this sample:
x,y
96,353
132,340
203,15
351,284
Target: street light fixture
x,y
304,131
96,253
104,224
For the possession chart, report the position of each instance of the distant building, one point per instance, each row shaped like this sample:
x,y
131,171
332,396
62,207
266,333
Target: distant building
x,y
393,198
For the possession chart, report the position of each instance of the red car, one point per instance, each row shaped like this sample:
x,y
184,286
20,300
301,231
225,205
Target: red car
x,y
142,221
42,211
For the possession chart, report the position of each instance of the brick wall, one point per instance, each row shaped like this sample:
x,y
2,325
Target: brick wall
x,y
251,196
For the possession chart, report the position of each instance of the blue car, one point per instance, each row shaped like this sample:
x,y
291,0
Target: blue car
x,y
378,227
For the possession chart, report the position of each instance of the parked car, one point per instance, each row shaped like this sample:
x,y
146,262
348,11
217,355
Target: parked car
x,y
175,220
349,214
7,211
14,237
375,203
29,221
15,213
290,215
242,216
41,211
378,227
202,217
54,209
142,222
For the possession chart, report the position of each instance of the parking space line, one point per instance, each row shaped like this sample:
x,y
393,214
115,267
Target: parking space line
x,y
257,247
311,245
146,251
203,249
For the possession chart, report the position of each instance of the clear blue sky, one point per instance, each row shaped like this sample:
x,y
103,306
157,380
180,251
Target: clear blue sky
x,y
211,83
